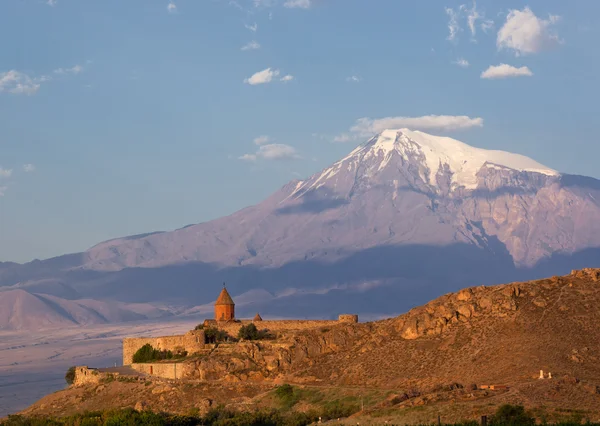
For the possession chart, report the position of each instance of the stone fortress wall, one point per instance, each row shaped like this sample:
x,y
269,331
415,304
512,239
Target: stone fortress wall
x,y
232,327
191,342
194,341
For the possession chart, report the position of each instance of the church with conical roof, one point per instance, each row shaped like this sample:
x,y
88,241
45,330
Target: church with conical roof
x,y
224,306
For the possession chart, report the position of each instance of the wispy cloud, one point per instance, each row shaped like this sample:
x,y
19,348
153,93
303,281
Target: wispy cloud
x,y
262,77
524,33
5,173
172,7
299,4
262,140
286,78
28,168
3,190
51,2
73,70
274,151
505,71
354,79
453,25
253,45
20,83
366,127
461,62
253,27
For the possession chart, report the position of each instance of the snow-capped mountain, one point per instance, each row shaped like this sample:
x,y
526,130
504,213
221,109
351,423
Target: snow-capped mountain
x,y
405,209
401,187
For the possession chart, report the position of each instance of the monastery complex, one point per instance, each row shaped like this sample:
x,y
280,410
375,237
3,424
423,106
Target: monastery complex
x,y
195,341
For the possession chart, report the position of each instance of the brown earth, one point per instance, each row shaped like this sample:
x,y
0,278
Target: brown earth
x,y
432,360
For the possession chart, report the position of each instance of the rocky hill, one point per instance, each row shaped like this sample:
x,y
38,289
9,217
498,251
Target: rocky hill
x,y
449,350
402,219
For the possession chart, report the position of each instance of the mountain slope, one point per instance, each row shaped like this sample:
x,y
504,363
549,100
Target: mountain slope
x,y
21,310
401,187
401,219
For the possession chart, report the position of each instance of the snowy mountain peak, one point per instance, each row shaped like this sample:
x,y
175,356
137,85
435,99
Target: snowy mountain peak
x,y
464,161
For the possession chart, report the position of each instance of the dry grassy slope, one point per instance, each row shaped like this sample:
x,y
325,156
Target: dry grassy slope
x,y
484,335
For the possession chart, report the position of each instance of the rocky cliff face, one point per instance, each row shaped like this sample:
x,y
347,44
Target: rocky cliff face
x,y
501,334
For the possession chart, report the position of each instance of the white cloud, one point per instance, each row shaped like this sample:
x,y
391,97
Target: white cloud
x,y
5,173
20,83
3,190
264,3
171,7
253,45
262,77
462,62
524,33
28,168
288,77
344,137
253,27
354,79
51,2
274,151
73,70
505,71
453,25
299,4
487,25
366,127
262,140
472,17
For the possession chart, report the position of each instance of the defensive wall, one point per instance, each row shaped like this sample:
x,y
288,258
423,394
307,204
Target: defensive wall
x,y
191,342
194,341
166,370
232,327
85,375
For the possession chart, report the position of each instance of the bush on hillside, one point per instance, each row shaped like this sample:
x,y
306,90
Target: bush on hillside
x,y
250,332
511,415
214,335
70,376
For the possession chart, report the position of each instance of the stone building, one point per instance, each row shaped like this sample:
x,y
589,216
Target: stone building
x,y
224,307
195,342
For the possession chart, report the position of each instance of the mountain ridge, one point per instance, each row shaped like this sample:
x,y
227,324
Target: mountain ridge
x,y
351,226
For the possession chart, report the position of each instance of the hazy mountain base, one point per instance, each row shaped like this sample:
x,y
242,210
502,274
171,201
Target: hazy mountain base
x,y
380,281
34,364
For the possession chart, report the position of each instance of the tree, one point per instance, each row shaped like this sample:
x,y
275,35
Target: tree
x,y
249,332
214,335
512,415
70,376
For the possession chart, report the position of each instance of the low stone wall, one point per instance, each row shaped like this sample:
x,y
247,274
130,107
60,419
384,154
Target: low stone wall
x,y
191,342
165,370
85,375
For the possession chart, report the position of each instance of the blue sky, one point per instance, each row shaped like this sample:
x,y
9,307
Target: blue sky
x,y
122,117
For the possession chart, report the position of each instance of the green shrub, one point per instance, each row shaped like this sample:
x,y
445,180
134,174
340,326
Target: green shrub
x,y
214,335
70,376
250,332
511,415
287,396
148,354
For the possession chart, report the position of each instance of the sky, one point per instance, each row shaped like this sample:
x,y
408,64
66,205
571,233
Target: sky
x,y
125,117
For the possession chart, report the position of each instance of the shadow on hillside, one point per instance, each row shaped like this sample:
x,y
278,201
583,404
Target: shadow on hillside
x,y
385,280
